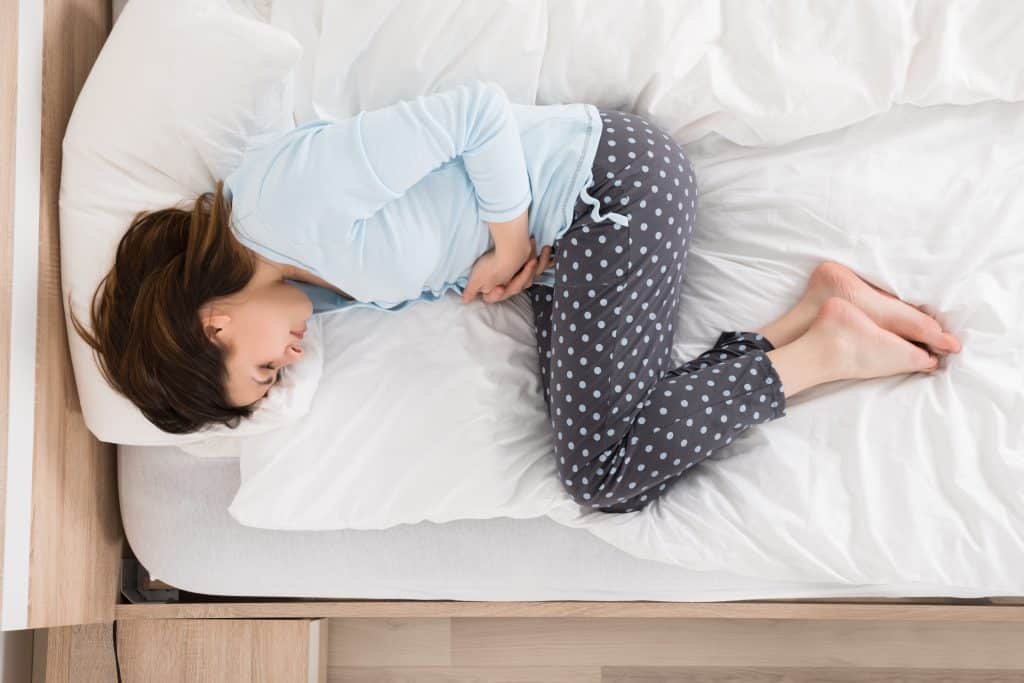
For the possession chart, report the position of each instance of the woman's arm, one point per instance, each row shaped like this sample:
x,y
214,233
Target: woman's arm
x,y
403,142
512,238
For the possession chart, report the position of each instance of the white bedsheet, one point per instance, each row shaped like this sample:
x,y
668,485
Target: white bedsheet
x,y
887,136
175,516
911,477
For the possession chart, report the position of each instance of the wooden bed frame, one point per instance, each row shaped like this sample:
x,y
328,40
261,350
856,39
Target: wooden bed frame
x,y
62,523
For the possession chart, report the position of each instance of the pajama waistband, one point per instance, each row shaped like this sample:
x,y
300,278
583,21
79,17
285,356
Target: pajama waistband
x,y
613,217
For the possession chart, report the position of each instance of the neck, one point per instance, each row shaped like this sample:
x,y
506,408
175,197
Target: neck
x,y
282,271
272,270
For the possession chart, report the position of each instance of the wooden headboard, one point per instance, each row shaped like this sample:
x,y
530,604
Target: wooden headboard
x,y
62,533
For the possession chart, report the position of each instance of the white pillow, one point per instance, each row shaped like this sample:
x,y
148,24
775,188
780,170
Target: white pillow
x,y
370,54
166,111
433,412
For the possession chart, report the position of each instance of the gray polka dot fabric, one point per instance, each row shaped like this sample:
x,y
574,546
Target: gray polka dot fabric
x,y
627,424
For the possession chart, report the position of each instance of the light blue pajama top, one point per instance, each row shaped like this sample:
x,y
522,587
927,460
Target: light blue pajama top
x,y
391,205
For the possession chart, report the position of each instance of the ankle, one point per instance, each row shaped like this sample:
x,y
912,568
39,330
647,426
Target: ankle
x,y
830,353
814,358
792,325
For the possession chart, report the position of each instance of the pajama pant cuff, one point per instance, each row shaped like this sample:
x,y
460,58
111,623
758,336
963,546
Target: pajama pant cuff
x,y
759,346
753,338
773,384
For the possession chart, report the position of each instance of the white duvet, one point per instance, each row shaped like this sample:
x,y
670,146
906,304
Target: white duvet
x,y
888,136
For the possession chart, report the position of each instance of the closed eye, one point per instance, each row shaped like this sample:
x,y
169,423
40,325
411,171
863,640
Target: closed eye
x,y
272,379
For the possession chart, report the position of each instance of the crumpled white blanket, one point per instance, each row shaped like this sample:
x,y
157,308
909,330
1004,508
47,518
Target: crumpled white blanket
x,y
888,136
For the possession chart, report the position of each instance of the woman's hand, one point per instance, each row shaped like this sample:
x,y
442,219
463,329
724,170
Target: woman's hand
x,y
498,276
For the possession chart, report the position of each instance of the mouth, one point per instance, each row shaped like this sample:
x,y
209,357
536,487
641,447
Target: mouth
x,y
299,334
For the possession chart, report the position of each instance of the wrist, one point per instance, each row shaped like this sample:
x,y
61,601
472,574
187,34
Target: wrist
x,y
512,237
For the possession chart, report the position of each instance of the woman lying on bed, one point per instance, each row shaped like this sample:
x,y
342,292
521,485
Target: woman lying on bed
x,y
453,190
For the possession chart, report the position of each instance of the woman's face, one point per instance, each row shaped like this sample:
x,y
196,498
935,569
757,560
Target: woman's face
x,y
258,325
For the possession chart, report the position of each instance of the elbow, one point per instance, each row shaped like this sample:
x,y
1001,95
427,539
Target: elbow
x,y
493,100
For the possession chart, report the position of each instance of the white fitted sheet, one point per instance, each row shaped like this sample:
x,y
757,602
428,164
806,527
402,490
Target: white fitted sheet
x,y
174,509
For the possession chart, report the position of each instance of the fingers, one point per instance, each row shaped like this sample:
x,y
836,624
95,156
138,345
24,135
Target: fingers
x,y
472,289
520,282
517,283
494,295
502,292
528,274
523,280
545,260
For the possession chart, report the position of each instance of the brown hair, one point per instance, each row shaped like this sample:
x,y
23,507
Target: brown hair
x,y
148,335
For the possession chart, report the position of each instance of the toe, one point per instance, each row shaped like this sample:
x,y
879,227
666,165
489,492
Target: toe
x,y
925,359
941,340
951,343
914,325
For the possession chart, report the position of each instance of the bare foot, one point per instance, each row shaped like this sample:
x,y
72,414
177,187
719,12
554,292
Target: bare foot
x,y
832,279
863,349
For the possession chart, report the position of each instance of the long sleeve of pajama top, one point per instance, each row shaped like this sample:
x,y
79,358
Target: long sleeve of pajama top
x,y
391,205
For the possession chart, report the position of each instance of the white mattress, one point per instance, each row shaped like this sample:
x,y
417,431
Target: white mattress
x,y
174,509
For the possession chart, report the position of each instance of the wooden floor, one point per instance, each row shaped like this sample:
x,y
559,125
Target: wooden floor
x,y
706,650
621,650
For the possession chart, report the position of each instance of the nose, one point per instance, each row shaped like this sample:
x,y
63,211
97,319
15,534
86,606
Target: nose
x,y
293,353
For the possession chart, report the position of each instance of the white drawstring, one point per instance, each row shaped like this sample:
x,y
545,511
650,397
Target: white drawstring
x,y
613,217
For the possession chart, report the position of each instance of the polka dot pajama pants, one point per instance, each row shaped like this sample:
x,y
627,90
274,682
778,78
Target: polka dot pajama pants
x,y
627,424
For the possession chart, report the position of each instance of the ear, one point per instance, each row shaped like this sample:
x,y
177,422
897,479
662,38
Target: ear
x,y
214,323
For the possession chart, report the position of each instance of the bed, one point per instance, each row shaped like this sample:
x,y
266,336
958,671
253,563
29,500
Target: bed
x,y
809,501
96,502
174,510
